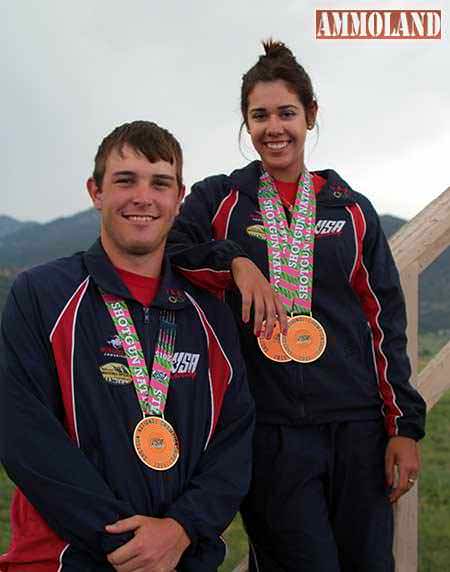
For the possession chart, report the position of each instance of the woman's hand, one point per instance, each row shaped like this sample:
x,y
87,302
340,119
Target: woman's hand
x,y
402,457
257,292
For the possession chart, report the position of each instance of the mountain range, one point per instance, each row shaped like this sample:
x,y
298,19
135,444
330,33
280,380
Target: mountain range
x,y
9,225
32,243
25,244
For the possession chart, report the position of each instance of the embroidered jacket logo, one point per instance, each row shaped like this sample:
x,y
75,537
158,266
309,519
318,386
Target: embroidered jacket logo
x,y
116,373
326,227
184,365
323,228
113,348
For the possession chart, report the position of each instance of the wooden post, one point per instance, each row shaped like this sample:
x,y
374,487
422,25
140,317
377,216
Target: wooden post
x,y
409,279
406,513
406,527
242,566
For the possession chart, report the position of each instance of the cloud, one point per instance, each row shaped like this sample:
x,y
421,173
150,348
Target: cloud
x,y
73,71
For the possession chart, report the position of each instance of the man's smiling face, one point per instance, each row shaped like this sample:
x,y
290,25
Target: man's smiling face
x,y
138,201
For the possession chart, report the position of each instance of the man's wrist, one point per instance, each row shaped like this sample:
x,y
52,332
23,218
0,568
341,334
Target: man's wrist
x,y
183,538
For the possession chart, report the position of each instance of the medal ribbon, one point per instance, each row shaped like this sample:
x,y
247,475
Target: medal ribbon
x,y
290,248
151,391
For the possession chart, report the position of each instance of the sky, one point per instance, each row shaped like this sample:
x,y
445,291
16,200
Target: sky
x,y
72,71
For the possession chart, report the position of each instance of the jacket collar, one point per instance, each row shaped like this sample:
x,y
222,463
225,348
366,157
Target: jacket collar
x,y
170,295
336,192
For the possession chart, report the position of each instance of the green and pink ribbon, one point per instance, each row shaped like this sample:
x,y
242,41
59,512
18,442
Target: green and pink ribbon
x,y
151,390
290,247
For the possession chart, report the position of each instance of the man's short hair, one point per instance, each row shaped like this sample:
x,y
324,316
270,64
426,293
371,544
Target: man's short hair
x,y
147,138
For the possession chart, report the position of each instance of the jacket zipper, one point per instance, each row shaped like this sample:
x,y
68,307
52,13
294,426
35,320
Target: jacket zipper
x,y
146,310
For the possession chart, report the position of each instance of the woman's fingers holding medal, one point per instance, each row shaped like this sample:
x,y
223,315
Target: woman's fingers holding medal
x,y
268,310
280,316
256,292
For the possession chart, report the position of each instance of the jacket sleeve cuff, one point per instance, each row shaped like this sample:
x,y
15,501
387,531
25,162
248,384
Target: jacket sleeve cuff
x,y
111,542
411,431
228,251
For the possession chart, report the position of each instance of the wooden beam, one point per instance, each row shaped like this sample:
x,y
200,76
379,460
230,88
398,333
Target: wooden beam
x,y
425,237
434,380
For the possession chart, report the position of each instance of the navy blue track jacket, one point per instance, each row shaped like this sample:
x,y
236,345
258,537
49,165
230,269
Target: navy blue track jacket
x,y
68,411
364,372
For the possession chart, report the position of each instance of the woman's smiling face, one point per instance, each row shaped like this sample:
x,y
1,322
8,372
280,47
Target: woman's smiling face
x,y
278,123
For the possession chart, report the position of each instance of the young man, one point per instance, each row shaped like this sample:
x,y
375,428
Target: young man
x,y
125,416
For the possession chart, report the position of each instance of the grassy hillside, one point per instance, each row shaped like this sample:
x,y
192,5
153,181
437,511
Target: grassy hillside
x,y
434,547
5,495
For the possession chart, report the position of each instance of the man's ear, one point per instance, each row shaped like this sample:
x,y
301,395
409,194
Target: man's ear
x,y
95,193
181,194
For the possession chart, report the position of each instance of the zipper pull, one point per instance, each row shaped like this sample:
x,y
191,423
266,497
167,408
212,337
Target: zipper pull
x,y
146,315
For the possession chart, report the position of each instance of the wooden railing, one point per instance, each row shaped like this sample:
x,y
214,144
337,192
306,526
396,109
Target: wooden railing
x,y
415,246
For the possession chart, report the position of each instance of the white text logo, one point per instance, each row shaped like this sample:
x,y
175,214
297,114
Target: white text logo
x,y
329,227
184,364
378,24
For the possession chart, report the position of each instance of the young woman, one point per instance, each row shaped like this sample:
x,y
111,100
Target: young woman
x,y
337,419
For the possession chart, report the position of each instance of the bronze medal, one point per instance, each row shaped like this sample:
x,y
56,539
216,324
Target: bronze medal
x,y
305,340
156,443
272,348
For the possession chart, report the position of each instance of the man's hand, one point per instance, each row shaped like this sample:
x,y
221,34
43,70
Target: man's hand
x,y
257,292
157,545
402,464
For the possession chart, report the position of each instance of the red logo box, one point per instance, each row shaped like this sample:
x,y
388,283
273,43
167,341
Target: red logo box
x,y
378,24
